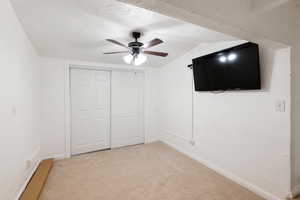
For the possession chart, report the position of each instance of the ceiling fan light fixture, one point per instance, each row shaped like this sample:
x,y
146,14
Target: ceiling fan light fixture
x,y
128,58
139,59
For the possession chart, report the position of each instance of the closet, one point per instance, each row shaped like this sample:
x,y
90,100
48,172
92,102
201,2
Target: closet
x,y
106,109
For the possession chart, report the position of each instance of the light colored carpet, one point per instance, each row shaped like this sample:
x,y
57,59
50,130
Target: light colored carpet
x,y
143,172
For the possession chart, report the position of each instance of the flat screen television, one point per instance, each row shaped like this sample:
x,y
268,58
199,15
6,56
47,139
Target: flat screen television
x,y
236,68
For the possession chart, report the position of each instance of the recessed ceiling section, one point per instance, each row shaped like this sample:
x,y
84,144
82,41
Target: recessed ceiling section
x,y
78,29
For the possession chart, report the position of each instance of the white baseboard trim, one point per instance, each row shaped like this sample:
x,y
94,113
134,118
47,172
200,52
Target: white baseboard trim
x,y
151,140
56,157
255,189
177,136
60,157
295,191
30,174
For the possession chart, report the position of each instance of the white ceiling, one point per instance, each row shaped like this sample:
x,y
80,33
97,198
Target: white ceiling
x,y
77,29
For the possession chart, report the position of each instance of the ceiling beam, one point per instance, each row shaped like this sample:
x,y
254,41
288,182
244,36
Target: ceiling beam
x,y
240,31
262,6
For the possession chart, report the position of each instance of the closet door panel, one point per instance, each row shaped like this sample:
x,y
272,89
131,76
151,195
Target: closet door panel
x,y
90,110
127,108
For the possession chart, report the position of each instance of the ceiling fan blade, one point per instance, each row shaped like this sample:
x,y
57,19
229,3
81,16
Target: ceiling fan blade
x,y
155,53
152,43
117,43
115,52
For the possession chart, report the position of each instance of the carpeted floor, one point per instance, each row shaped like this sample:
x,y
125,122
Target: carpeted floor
x,y
143,172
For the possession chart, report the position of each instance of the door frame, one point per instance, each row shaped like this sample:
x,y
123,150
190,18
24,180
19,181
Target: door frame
x,y
67,89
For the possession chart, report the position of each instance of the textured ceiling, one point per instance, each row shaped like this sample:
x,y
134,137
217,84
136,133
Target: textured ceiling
x,y
77,29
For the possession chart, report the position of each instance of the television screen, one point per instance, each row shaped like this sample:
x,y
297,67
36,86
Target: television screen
x,y
236,68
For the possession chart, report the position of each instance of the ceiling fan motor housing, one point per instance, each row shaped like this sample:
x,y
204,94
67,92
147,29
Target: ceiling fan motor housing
x,y
135,47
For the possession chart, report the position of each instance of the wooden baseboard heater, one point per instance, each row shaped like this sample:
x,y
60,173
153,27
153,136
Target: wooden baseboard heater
x,y
35,186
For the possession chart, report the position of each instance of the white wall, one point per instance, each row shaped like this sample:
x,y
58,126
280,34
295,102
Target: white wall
x,y
296,116
239,134
53,104
53,108
19,104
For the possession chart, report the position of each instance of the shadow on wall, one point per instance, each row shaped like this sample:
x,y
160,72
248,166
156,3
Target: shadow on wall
x,y
267,65
266,68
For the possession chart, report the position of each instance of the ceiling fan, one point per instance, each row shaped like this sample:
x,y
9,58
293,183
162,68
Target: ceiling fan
x,y
137,49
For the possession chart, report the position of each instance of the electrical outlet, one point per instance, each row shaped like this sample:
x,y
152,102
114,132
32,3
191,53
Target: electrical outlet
x,y
280,106
192,142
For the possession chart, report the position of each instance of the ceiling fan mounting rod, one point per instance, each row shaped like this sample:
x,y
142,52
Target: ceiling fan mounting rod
x,y
136,35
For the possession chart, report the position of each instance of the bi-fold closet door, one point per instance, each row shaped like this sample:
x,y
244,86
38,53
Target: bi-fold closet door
x,y
106,109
